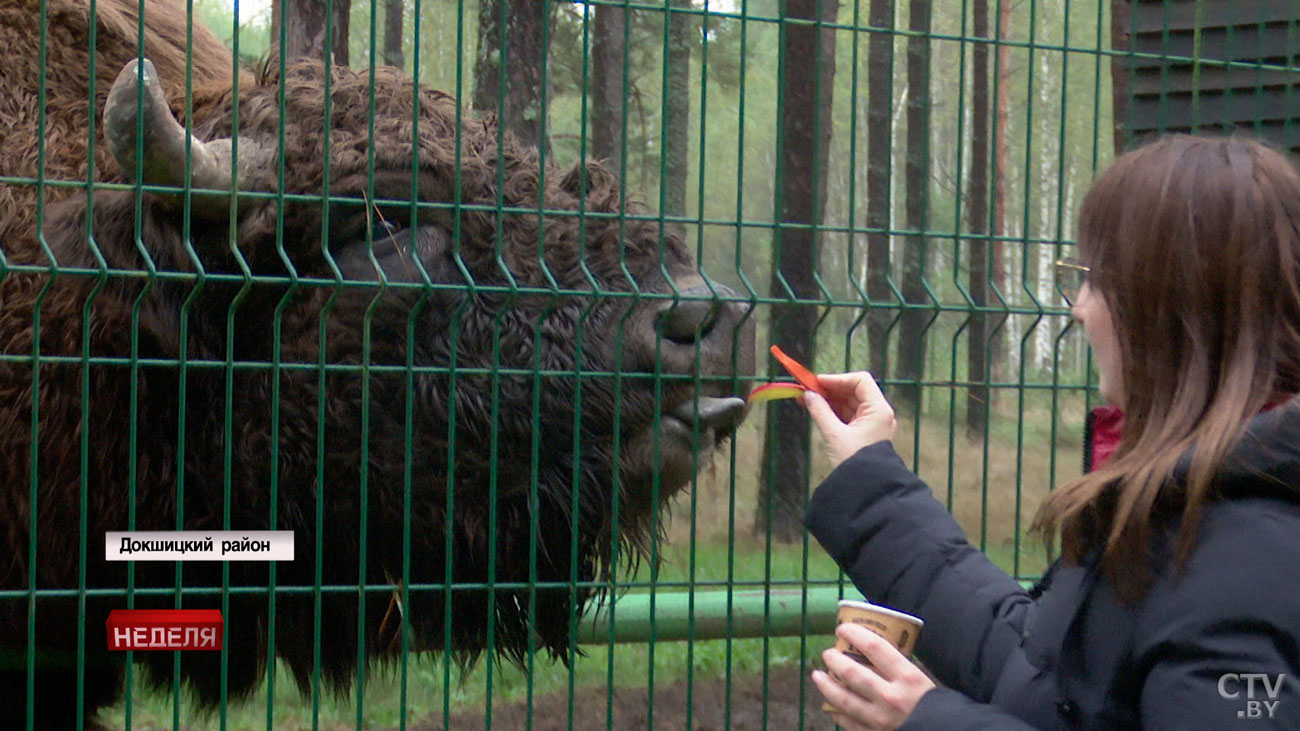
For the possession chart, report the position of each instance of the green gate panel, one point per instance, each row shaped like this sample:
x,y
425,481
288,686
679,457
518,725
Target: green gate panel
x,y
1211,66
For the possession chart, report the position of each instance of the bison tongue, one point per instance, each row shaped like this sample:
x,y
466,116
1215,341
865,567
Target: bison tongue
x,y
722,415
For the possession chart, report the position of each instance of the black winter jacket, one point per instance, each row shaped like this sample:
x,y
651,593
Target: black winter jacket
x,y
1211,646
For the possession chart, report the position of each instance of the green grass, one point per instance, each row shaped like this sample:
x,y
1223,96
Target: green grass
x,y
631,663
716,516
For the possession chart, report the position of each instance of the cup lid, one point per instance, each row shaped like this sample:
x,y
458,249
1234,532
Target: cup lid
x,y
883,610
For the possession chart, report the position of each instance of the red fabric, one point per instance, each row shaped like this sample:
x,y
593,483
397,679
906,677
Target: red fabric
x,y
1107,428
1277,402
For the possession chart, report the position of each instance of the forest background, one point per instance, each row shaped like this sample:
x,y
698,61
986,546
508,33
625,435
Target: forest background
x,y
889,181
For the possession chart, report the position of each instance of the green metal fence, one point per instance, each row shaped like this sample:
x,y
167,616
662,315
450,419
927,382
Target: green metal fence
x,y
487,386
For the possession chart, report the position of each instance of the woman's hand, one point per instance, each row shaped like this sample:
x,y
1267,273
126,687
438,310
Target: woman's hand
x,y
857,414
868,698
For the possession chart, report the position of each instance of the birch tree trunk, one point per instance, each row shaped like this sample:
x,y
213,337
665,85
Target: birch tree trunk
x,y
1050,159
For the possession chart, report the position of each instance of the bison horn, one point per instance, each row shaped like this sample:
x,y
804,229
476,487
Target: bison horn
x,y
161,140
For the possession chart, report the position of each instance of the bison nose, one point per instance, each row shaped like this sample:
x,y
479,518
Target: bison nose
x,y
722,415
690,319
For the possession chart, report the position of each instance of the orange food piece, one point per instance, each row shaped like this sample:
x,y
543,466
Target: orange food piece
x,y
774,391
805,377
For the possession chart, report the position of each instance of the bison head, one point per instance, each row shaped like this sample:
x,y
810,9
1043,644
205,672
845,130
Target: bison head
x,y
394,330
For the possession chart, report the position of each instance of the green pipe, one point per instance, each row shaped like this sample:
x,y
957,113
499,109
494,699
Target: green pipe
x,y
675,620
783,617
775,613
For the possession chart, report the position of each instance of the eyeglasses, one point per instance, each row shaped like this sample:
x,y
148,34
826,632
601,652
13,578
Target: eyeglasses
x,y
1071,275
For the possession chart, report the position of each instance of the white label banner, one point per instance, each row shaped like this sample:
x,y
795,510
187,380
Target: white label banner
x,y
191,545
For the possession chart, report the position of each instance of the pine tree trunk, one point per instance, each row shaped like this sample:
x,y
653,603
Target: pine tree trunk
x,y
977,213
913,323
807,76
304,24
997,336
342,23
1119,70
677,111
607,81
525,32
393,55
880,95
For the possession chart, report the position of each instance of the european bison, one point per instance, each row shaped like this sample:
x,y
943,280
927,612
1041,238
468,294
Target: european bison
x,y
460,391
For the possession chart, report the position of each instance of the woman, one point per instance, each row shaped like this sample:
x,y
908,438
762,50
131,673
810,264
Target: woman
x,y
1176,600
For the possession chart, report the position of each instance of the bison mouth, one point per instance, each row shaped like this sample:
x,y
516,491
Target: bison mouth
x,y
687,433
702,345
705,422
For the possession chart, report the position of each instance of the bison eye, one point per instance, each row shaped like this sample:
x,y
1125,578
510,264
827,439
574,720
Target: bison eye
x,y
384,228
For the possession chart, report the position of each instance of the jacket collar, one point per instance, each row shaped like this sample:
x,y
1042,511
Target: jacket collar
x,y
1265,460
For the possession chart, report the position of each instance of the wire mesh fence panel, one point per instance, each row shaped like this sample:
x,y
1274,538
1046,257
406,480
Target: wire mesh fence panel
x,y
469,297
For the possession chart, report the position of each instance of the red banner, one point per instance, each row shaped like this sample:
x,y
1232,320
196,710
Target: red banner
x,y
165,629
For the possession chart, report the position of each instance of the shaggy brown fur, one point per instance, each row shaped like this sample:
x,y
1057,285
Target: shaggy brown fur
x,y
483,351
68,103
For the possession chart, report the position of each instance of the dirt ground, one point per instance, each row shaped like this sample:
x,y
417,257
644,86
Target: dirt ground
x,y
551,712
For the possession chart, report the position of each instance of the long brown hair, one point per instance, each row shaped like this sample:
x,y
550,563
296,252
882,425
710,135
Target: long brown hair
x,y
1195,249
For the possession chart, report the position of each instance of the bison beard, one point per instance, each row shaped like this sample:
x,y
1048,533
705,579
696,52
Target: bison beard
x,y
490,321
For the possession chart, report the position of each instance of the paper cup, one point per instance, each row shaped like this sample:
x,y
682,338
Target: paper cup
x,y
899,628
